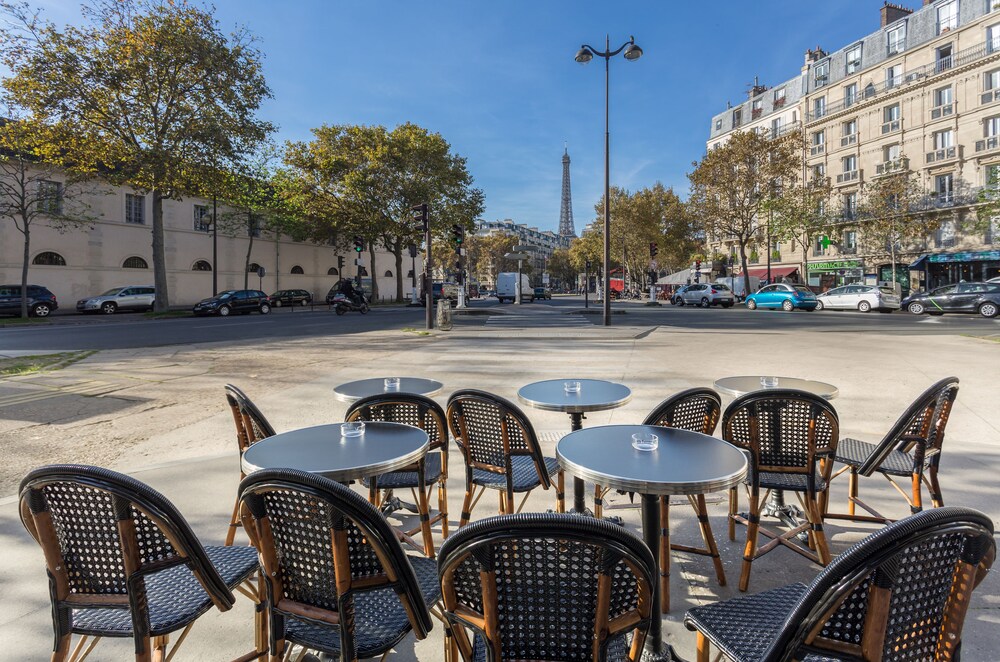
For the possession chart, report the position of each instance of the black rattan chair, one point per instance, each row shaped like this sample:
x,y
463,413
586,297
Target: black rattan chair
x,y
500,450
790,437
422,412
122,562
900,594
251,427
337,579
547,587
696,410
911,448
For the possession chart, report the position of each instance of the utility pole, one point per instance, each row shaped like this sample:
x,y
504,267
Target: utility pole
x,y
422,218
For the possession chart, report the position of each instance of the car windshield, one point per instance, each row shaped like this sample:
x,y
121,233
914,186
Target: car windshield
x,y
720,286
228,294
802,289
113,291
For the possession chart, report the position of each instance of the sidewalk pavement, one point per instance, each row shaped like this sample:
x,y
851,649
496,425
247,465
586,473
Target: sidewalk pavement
x,y
194,463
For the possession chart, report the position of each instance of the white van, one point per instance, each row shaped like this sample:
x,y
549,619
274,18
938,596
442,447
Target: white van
x,y
506,284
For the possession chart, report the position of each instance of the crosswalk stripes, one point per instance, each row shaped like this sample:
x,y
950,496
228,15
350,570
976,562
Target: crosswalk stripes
x,y
537,321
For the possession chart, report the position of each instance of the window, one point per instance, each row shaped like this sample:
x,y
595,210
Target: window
x,y
947,16
718,125
819,107
942,59
993,231
776,127
202,218
49,259
993,38
134,262
890,118
944,188
943,96
332,271
850,163
992,176
819,171
944,139
737,117
991,80
891,152
991,126
135,209
896,39
202,265
756,108
945,236
818,246
819,138
50,197
849,128
850,95
253,267
388,274
821,73
893,76
779,97
850,206
853,59
297,270
849,244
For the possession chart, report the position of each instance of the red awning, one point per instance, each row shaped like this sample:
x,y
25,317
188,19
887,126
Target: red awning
x,y
776,272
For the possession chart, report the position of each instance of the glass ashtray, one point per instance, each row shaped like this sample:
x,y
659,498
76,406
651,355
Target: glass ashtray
x,y
768,382
571,387
645,441
391,383
355,429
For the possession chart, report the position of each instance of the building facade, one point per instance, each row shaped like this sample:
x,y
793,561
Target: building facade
x,y
543,242
920,95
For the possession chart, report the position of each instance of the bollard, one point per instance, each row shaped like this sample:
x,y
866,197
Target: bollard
x,y
444,315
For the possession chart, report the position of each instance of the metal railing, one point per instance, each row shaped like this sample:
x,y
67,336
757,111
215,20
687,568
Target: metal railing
x,y
848,177
895,165
944,110
988,144
945,154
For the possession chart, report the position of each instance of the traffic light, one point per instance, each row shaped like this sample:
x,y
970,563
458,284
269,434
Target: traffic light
x,y
359,244
697,271
587,265
457,236
420,216
653,250
340,265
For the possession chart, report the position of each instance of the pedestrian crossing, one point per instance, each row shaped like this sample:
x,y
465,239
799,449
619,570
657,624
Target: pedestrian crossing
x,y
551,321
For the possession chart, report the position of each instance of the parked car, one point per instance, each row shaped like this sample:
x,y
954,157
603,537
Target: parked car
x,y
994,280
982,298
130,297
234,301
859,297
782,295
678,298
707,295
291,298
543,293
41,301
440,291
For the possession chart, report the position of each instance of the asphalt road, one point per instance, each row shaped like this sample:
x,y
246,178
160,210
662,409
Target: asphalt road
x,y
73,332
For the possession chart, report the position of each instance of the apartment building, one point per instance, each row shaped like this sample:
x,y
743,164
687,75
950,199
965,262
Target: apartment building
x,y
543,242
921,94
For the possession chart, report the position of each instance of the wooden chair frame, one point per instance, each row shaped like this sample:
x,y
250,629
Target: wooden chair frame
x,y
251,427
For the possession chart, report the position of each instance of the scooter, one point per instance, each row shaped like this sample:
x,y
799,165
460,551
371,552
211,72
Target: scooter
x,y
342,304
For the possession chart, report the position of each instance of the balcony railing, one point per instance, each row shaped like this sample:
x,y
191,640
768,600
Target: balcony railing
x,y
756,112
945,154
848,177
785,129
895,165
851,139
816,150
779,102
988,144
943,110
890,126
848,250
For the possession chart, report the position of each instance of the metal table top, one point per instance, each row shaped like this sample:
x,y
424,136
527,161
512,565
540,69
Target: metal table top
x,y
594,395
322,450
683,463
362,388
737,386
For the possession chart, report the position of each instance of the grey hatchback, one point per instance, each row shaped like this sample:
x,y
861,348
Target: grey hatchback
x,y
707,295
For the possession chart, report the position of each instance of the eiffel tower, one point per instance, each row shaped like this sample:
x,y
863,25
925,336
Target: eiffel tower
x,y
566,228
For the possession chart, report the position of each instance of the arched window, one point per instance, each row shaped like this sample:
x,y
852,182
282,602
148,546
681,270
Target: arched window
x,y
134,262
297,270
253,267
332,271
388,274
50,259
364,271
202,265
409,274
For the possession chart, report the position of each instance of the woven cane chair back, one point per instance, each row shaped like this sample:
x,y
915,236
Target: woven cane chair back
x,y
408,409
251,426
490,430
696,410
548,587
899,595
782,429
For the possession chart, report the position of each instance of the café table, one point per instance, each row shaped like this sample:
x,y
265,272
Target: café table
x,y
594,395
684,463
323,450
737,386
362,388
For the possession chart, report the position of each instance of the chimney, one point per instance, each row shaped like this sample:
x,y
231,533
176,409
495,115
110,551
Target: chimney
x,y
892,13
756,88
927,2
814,55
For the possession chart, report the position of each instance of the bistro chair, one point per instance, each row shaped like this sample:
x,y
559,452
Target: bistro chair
x,y
422,412
547,587
251,427
123,562
500,450
900,594
912,447
337,579
695,410
790,437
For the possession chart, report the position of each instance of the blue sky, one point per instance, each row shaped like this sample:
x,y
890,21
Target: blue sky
x,y
498,79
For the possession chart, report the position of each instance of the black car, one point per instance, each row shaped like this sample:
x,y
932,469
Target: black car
x,y
982,298
41,301
291,298
234,301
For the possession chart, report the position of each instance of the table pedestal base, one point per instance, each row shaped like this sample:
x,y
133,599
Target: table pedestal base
x,y
787,513
655,649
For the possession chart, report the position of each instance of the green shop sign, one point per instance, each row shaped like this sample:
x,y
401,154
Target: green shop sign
x,y
974,256
835,265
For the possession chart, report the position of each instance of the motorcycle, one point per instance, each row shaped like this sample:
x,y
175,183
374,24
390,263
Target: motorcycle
x,y
342,303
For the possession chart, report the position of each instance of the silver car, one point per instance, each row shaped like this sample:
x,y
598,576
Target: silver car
x,y
708,294
863,298
130,297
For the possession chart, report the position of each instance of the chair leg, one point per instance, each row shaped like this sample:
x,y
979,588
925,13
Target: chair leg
x,y
598,502
937,499
917,487
443,506
818,537
560,492
701,509
234,522
466,505
750,550
703,648
503,507
852,490
61,652
160,648
665,554
373,494
508,502
734,505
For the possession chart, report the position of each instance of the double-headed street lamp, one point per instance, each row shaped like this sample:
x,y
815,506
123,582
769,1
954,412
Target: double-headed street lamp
x,y
583,56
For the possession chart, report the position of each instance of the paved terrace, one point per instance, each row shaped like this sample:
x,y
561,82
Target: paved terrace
x,y
160,415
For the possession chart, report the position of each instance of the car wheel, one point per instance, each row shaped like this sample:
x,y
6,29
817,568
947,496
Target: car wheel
x,y
109,308
265,309
680,302
864,307
988,309
916,308
305,302
705,303
751,304
787,305
277,303
41,310
819,305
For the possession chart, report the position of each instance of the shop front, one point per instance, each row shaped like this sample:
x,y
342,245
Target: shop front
x,y
937,269
834,273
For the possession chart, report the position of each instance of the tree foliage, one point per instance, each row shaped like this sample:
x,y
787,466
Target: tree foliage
x,y
798,212
486,255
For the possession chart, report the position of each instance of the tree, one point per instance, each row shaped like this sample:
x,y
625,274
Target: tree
x,y
799,211
139,92
561,268
731,183
33,189
486,255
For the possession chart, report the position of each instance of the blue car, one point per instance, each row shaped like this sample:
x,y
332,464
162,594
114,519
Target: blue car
x,y
784,296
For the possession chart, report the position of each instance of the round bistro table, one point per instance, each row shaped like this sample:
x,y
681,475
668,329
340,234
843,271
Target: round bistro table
x,y
362,388
737,386
594,395
683,463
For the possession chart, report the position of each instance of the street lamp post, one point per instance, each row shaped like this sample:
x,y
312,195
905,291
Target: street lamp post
x,y
583,56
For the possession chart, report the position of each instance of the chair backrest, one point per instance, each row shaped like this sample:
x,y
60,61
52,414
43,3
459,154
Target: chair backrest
x,y
408,409
101,532
490,430
548,586
695,409
251,426
922,424
900,594
784,430
320,544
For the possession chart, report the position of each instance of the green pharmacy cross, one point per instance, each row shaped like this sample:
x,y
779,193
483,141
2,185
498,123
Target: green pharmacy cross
x,y
825,242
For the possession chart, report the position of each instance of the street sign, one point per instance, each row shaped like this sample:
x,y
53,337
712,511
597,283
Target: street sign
x,y
260,272
524,247
653,264
545,279
517,256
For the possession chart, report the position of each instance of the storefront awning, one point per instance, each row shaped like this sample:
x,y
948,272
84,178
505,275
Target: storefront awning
x,y
776,272
918,264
